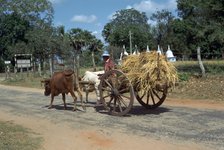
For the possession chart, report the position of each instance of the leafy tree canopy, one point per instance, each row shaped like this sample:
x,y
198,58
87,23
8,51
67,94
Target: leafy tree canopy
x,y
204,21
117,31
20,23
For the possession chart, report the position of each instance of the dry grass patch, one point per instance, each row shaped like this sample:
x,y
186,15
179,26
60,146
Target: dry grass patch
x,y
15,137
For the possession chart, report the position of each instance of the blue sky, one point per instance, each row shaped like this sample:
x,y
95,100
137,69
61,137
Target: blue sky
x,y
92,15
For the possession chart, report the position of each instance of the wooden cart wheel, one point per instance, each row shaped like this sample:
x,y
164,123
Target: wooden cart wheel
x,y
151,99
116,92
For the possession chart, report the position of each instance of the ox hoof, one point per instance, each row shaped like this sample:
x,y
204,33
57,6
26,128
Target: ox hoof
x,y
84,108
49,107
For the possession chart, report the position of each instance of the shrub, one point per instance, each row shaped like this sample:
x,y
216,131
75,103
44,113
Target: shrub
x,y
2,66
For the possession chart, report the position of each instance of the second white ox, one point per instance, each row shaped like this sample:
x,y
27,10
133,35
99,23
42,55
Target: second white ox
x,y
92,77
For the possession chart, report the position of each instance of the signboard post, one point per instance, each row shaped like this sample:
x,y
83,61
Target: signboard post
x,y
23,61
7,69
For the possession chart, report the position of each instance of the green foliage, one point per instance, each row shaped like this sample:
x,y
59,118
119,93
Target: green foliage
x,y
16,137
2,66
117,31
204,21
86,59
19,23
162,30
86,44
183,76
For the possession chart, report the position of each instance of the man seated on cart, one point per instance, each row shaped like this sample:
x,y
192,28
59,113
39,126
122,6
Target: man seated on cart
x,y
108,62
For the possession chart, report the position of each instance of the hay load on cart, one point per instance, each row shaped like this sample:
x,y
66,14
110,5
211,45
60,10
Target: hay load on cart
x,y
149,70
147,77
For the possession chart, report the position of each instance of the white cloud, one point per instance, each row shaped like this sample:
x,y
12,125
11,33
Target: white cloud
x,y
84,18
94,32
56,1
150,6
98,35
110,17
58,23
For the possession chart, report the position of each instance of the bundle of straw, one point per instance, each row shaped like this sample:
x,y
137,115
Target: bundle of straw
x,y
148,70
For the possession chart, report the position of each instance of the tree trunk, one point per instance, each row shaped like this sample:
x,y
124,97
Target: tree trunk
x,y
93,60
200,62
76,68
51,65
223,54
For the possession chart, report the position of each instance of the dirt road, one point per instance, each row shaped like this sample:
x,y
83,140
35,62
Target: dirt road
x,y
176,125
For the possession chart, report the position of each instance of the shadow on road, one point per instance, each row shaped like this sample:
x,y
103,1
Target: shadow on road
x,y
140,110
70,107
136,110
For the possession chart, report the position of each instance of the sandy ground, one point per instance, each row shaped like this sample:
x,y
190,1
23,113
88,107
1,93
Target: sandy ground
x,y
67,138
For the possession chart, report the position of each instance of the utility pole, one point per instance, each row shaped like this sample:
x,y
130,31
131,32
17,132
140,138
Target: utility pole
x,y
130,41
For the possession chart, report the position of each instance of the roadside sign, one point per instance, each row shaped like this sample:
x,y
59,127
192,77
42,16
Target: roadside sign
x,y
7,62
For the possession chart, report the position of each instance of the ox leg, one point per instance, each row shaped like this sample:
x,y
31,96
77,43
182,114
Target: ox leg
x,y
81,99
87,93
52,99
75,100
86,90
63,98
97,94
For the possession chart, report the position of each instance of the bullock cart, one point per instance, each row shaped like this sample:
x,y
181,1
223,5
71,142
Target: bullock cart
x,y
119,88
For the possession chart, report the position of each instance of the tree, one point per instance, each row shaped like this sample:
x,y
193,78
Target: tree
x,y
204,20
179,39
17,20
116,32
162,31
95,46
83,39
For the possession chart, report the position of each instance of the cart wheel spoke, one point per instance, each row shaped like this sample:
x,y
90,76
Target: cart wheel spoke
x,y
106,96
121,99
108,83
152,96
125,96
115,101
155,93
119,105
123,90
109,103
106,89
147,98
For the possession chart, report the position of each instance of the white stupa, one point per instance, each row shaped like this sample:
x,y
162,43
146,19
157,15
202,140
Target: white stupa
x,y
136,52
169,55
147,49
125,53
158,50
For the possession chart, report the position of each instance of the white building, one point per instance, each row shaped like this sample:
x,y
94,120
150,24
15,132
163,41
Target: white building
x,y
169,55
159,50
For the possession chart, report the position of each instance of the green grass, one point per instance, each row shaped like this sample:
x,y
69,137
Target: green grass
x,y
15,137
25,80
192,67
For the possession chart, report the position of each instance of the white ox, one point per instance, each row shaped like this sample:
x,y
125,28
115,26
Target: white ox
x,y
92,77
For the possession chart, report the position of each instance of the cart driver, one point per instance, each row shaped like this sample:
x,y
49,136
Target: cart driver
x,y
108,62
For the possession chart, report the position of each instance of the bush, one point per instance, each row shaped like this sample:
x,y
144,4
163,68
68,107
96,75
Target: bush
x,y
184,76
2,66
